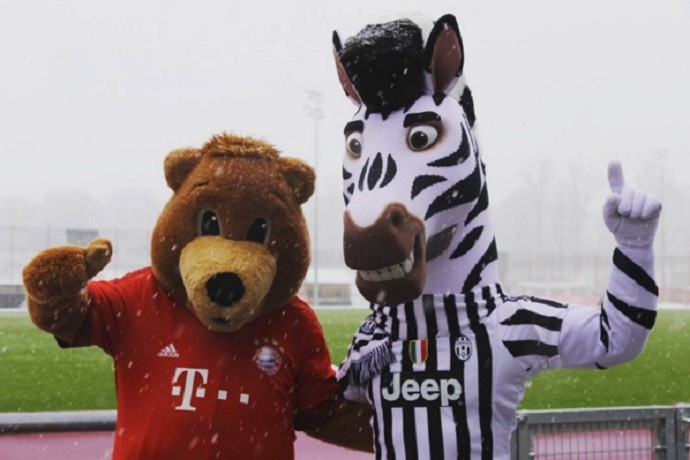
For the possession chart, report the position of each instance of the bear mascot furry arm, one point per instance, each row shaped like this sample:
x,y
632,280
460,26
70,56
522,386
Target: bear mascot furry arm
x,y
213,353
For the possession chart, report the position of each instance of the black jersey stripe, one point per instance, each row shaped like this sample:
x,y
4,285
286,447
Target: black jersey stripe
x,y
522,317
475,275
351,188
346,174
395,323
409,425
387,419
434,423
377,442
410,321
519,348
409,433
468,241
637,315
485,377
451,311
430,316
635,272
462,432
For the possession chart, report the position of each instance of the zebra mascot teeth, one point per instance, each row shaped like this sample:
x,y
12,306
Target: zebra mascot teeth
x,y
445,354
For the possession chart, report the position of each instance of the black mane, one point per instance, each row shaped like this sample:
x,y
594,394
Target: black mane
x,y
385,64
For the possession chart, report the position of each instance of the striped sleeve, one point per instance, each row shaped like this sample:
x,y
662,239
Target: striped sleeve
x,y
529,329
617,333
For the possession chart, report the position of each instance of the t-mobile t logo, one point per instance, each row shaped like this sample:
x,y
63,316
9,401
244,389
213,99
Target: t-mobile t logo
x,y
190,389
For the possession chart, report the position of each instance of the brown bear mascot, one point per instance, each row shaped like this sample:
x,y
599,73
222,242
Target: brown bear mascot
x,y
214,355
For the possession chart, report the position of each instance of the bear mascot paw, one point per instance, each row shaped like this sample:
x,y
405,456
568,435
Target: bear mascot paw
x,y
214,355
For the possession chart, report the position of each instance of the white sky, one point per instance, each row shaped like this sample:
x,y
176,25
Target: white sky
x,y
93,94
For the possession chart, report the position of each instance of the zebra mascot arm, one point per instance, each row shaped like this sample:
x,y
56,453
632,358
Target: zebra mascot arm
x,y
618,334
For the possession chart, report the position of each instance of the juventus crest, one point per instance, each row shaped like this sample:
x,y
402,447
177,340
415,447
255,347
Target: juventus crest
x,y
463,348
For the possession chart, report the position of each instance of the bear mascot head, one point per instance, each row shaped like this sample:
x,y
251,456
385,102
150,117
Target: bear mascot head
x,y
229,257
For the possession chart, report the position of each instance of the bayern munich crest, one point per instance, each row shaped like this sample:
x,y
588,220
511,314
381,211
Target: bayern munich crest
x,y
268,359
463,348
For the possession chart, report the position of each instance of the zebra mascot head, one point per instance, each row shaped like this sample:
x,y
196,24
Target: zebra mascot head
x,y
414,186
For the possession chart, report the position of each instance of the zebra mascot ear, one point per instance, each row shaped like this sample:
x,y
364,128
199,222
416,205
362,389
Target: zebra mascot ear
x,y
444,55
345,81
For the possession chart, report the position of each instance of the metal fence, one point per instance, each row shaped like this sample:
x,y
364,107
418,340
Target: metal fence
x,y
591,434
598,434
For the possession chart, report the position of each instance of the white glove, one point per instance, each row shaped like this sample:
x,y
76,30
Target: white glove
x,y
631,215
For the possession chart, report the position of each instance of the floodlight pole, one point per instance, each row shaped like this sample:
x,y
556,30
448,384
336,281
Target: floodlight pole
x,y
314,110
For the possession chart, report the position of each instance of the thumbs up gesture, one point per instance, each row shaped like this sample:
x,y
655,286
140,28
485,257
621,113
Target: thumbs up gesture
x,y
631,215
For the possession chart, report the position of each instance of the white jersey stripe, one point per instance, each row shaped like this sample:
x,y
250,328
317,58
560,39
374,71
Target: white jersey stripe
x,y
421,416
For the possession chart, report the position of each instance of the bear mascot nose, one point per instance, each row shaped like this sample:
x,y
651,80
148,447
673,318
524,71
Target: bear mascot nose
x,y
225,288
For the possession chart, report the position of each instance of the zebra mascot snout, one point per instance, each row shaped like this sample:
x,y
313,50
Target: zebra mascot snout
x,y
414,185
445,354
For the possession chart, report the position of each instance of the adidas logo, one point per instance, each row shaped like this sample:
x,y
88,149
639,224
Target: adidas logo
x,y
169,352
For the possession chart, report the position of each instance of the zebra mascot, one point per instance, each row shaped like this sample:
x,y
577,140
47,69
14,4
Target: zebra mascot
x,y
445,354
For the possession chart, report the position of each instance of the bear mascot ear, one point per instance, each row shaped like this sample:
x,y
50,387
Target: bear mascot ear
x,y
299,176
178,164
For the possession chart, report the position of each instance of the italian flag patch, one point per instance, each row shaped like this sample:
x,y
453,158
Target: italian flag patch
x,y
419,350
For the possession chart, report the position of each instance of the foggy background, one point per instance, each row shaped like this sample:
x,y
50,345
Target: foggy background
x,y
93,95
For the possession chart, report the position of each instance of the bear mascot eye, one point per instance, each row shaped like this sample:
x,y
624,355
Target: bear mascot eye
x,y
208,223
259,231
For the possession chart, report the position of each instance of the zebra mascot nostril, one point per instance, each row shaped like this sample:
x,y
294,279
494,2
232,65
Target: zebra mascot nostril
x,y
445,354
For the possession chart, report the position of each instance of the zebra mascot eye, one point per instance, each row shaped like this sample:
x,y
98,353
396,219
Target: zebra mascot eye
x,y
353,144
421,137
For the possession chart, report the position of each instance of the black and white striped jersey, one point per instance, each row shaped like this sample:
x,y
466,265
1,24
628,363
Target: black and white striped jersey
x,y
460,363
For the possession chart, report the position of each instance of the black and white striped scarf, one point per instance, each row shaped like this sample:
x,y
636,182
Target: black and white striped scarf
x,y
369,353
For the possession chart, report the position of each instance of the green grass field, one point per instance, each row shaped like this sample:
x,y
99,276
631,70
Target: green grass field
x,y
39,376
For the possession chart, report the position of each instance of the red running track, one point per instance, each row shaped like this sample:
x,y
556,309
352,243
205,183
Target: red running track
x,y
97,445
635,444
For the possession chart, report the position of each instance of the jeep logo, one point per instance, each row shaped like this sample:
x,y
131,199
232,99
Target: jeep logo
x,y
439,388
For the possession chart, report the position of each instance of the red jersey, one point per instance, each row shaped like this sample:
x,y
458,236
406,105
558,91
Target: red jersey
x,y
186,392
